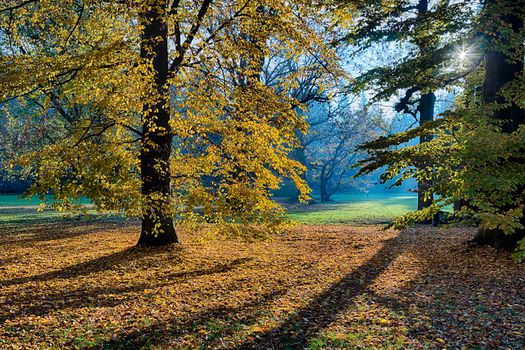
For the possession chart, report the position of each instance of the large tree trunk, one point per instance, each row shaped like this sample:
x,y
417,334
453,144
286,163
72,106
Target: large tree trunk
x,y
157,220
323,184
500,69
426,114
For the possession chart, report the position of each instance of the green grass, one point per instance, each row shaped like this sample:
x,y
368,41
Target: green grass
x,y
16,200
25,215
17,210
357,208
28,215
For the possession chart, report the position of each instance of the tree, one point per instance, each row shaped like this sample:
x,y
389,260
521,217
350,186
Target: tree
x,y
426,113
310,77
477,148
427,34
502,22
140,108
337,127
157,137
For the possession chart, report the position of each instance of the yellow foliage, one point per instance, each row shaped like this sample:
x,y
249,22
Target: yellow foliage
x,y
78,88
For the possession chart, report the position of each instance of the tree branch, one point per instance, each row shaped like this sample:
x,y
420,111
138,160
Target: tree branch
x,y
191,35
14,7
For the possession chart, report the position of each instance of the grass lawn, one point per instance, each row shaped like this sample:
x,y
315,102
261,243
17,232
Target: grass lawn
x,y
16,200
30,215
83,285
17,210
358,208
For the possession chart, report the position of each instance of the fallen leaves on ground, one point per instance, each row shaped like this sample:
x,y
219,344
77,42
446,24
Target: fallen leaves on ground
x,y
84,285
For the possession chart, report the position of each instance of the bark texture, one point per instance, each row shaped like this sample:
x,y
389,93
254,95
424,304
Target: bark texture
x,y
426,114
157,220
323,185
500,70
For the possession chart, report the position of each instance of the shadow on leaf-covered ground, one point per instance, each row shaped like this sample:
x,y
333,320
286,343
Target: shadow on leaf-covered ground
x,y
317,287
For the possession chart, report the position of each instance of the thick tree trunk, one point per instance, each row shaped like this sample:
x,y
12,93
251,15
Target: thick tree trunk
x,y
500,69
426,114
459,204
157,220
497,238
323,184
498,72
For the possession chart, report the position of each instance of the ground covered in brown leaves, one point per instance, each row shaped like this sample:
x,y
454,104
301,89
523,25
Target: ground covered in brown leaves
x,y
85,285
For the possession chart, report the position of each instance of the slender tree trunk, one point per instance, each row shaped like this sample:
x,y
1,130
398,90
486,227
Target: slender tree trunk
x,y
426,114
500,69
299,155
157,220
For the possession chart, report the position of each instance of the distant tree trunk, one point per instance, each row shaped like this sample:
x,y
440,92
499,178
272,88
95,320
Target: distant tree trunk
x,y
500,69
323,184
426,114
157,220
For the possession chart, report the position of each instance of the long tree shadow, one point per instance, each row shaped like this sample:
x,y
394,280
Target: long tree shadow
x,y
217,324
59,229
297,330
84,268
467,297
102,263
103,296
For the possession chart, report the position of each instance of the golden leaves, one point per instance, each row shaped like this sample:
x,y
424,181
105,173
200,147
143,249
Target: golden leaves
x,y
83,285
75,65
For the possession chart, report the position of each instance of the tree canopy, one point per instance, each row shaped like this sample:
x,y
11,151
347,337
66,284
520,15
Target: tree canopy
x,y
476,154
157,107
